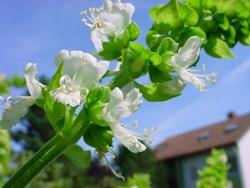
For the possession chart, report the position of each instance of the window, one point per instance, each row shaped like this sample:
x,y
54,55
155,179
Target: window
x,y
204,136
194,173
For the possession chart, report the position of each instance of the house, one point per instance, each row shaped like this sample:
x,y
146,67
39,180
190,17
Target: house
x,y
185,154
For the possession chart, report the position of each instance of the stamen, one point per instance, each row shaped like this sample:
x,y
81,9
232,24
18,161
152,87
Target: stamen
x,y
2,100
117,174
203,67
65,81
8,101
135,124
112,153
147,134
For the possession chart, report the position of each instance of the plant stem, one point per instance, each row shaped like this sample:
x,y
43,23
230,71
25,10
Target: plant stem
x,y
40,160
48,153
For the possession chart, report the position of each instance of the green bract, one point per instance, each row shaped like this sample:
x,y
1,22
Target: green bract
x,y
112,49
161,91
78,156
218,48
99,138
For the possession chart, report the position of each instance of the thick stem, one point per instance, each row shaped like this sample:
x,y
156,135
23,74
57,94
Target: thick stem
x,y
40,160
49,152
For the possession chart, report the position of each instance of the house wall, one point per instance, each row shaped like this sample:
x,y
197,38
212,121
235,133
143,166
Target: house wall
x,y
244,158
190,166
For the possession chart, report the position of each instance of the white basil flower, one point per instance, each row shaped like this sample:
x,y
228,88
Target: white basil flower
x,y
186,57
119,107
17,107
81,71
111,19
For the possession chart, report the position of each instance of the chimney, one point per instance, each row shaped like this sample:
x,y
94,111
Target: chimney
x,y
231,115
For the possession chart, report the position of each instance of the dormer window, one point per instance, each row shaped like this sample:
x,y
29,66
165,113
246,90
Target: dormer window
x,y
204,136
231,128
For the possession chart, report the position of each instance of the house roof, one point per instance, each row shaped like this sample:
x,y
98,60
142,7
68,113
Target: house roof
x,y
216,135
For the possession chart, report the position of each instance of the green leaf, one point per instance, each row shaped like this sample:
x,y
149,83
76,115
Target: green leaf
x,y
98,94
194,4
167,14
192,31
226,7
133,31
155,58
242,9
156,92
222,21
164,66
157,75
167,44
245,39
244,27
208,4
230,36
55,80
113,48
135,58
99,137
78,156
218,48
54,111
96,102
187,14
120,80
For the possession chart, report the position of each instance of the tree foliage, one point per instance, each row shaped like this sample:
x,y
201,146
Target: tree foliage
x,y
215,174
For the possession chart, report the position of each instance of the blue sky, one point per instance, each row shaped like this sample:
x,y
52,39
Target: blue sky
x,y
35,31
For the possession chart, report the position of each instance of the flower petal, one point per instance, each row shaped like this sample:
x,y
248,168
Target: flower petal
x,y
97,37
189,53
126,106
116,97
34,87
68,93
127,138
63,96
84,67
112,19
15,109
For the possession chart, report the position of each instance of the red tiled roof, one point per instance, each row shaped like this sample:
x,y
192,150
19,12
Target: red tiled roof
x,y
216,135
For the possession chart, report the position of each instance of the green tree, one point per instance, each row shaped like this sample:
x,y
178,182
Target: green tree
x,y
215,174
144,162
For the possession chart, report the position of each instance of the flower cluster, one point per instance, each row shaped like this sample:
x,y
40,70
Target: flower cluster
x,y
76,90
110,20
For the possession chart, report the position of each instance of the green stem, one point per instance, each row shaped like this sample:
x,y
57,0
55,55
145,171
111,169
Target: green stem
x,y
48,153
40,160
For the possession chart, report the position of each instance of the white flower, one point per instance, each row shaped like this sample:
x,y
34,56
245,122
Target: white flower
x,y
34,87
17,107
81,71
111,19
186,57
121,106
